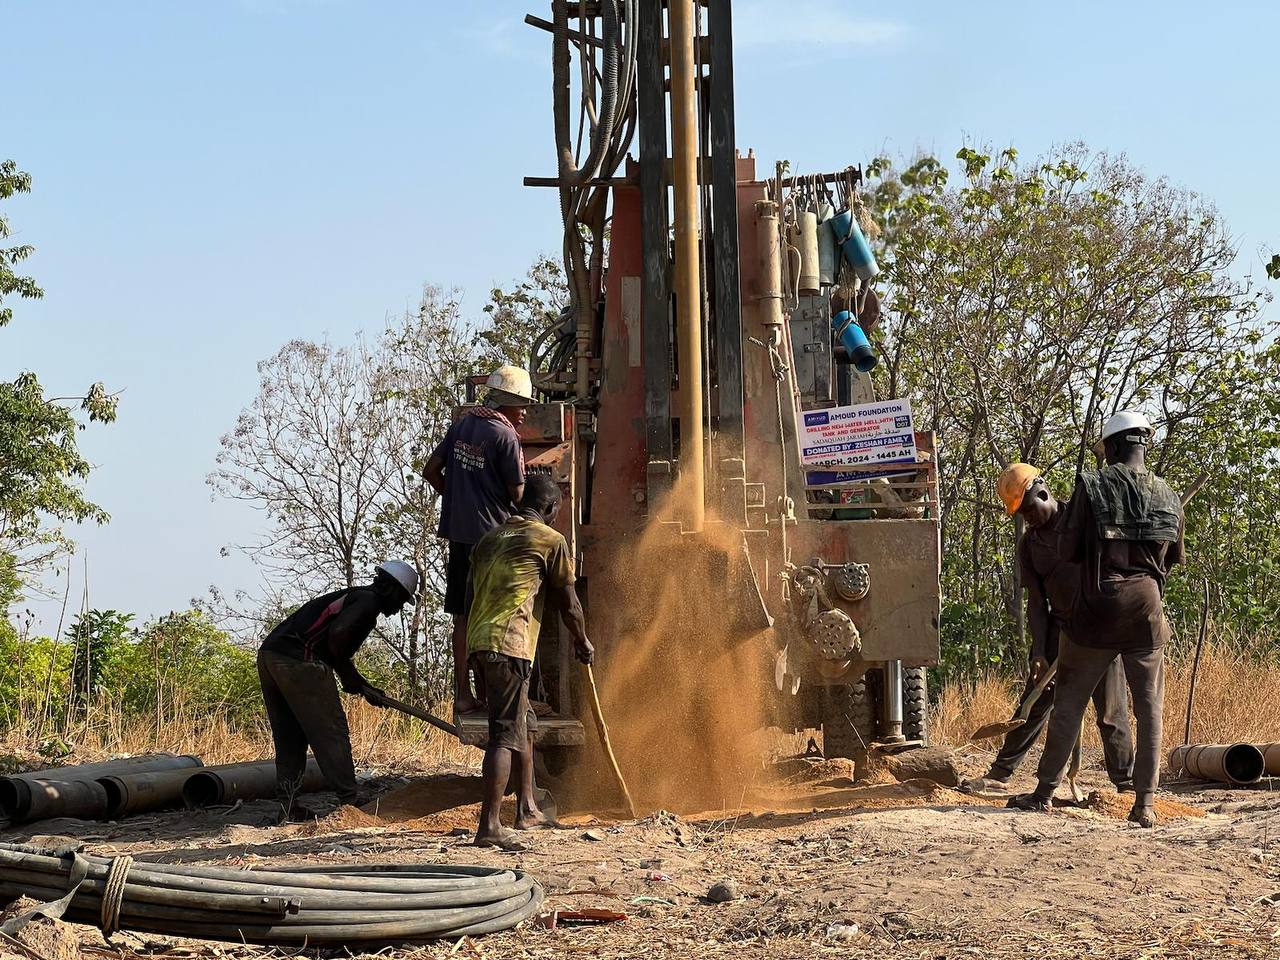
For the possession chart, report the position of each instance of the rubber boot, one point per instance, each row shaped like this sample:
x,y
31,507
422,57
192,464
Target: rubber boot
x,y
1036,802
1144,811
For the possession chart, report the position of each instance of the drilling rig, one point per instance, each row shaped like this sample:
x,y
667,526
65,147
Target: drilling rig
x,y
715,344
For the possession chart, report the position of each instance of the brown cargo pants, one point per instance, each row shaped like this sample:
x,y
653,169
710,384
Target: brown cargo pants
x,y
302,703
1079,670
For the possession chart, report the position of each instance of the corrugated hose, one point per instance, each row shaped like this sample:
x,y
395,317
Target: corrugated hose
x,y
287,905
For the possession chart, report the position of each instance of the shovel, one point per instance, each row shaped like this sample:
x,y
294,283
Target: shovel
x,y
1002,727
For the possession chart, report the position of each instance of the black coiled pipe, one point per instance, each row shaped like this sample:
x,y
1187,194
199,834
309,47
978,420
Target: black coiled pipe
x,y
324,905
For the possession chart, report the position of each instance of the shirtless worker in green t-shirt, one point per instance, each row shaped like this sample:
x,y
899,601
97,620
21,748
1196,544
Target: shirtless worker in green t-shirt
x,y
513,568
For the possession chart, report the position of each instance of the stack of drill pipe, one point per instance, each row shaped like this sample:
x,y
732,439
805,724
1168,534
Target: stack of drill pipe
x,y
285,906
1239,764
77,791
213,786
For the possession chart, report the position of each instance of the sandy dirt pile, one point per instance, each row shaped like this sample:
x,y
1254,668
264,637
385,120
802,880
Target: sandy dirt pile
x,y
1111,804
45,938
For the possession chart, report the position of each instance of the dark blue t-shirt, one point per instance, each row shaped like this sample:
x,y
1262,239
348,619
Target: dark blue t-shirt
x,y
482,460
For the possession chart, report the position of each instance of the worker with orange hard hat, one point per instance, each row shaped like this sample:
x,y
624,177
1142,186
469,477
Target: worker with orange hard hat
x,y
1049,583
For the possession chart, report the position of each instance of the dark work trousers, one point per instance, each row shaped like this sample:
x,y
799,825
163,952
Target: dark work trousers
x,y
1111,706
1079,670
303,706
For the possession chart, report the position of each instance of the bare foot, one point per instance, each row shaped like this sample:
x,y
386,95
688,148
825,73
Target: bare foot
x,y
537,820
466,704
502,840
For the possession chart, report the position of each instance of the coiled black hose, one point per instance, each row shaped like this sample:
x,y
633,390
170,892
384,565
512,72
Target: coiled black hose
x,y
312,905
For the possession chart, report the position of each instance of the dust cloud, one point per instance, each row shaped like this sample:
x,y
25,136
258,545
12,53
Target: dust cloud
x,y
687,672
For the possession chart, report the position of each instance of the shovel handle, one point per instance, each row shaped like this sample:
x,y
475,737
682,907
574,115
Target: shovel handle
x,y
394,704
603,730
1050,672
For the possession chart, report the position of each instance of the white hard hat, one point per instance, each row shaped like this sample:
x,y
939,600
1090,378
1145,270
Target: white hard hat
x,y
402,573
1124,422
513,384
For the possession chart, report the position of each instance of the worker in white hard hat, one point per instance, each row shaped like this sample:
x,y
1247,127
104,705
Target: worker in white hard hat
x,y
478,470
1124,528
296,667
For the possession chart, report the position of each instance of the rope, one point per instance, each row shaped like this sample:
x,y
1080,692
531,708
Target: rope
x,y
113,892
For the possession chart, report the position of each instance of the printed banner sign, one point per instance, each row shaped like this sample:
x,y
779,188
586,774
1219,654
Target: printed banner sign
x,y
829,478
861,434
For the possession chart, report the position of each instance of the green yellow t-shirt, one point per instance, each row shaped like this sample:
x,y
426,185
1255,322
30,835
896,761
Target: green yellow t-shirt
x,y
510,567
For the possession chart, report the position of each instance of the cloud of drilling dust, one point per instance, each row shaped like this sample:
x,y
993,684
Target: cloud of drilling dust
x,y
685,680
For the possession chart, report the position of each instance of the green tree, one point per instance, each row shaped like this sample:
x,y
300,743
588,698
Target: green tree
x,y
333,446
13,180
99,640
41,471
182,661
1024,305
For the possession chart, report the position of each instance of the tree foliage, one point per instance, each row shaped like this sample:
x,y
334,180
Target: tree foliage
x,y
332,449
1028,303
41,470
13,180
172,668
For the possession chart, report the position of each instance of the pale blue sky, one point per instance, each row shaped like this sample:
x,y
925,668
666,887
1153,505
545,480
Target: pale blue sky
x,y
213,179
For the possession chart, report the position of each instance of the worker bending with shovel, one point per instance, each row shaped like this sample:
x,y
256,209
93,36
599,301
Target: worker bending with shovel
x,y
478,470
513,569
296,667
1123,531
1050,583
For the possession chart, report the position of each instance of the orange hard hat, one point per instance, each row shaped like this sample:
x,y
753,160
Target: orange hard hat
x,y
1014,482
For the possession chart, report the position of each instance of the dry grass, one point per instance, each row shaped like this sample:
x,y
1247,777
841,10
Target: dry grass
x,y
379,738
1237,700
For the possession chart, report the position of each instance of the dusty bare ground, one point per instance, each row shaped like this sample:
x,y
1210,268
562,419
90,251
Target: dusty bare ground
x,y
821,868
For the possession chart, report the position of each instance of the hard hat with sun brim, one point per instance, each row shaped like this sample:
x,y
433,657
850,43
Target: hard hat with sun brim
x,y
403,574
1128,423
1015,480
510,386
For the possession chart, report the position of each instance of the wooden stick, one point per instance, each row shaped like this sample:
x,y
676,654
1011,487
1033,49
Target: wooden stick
x,y
603,730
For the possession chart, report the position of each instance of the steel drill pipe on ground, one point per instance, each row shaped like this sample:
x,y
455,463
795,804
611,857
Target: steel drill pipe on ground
x,y
1270,758
25,800
130,793
211,786
1235,763
369,903
61,791
124,765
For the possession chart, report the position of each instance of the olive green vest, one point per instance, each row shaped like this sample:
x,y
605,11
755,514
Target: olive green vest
x,y
1131,505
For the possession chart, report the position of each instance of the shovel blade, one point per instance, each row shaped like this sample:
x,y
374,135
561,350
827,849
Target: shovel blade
x,y
546,803
998,729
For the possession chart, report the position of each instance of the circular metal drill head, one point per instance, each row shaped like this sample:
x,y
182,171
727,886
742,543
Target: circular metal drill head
x,y
835,635
851,582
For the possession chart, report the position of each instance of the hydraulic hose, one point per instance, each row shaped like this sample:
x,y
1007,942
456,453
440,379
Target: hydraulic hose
x,y
313,906
570,174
